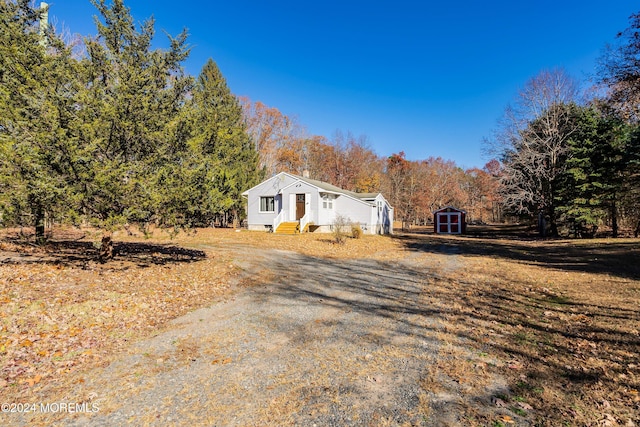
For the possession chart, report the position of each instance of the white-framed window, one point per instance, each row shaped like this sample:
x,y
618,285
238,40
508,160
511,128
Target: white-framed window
x,y
267,204
327,201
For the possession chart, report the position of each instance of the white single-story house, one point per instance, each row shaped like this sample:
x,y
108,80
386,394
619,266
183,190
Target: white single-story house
x,y
291,203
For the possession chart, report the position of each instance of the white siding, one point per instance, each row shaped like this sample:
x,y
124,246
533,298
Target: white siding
x,y
357,211
256,219
289,197
374,215
327,215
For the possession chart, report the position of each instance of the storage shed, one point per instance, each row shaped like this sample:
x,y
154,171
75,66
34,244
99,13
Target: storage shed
x,y
449,220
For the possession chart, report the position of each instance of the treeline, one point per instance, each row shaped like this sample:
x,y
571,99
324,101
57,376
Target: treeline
x,y
110,131
117,135
414,188
572,159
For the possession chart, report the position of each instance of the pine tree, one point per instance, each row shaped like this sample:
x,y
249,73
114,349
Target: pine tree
x,y
601,178
590,186
37,116
221,139
630,179
132,129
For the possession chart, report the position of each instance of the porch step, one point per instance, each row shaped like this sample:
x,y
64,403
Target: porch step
x,y
287,228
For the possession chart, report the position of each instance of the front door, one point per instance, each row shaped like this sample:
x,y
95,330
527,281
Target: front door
x,y
299,206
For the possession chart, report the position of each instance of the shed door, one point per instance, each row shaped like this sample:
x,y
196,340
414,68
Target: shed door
x,y
449,222
443,223
454,223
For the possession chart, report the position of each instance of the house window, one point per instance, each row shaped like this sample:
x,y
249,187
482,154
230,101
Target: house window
x,y
327,201
267,204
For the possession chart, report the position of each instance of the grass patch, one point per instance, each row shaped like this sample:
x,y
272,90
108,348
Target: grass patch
x,y
560,317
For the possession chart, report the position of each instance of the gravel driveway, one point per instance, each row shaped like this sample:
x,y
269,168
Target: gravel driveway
x,y
310,342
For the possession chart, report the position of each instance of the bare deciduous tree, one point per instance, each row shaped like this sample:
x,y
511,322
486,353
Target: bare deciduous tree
x,y
532,143
620,71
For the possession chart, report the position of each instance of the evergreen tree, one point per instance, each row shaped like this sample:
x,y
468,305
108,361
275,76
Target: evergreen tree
x,y
591,185
630,180
620,72
131,122
221,139
37,116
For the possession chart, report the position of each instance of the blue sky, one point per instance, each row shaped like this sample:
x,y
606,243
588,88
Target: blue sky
x,y
430,78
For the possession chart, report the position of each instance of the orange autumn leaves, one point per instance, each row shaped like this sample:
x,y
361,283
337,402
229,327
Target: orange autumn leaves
x,y
57,318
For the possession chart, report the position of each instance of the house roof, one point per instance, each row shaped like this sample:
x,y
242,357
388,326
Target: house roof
x,y
334,189
330,188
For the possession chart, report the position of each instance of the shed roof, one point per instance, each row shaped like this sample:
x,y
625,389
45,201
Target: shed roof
x,y
449,209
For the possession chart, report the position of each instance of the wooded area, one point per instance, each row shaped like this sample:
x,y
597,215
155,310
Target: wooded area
x,y
111,132
118,134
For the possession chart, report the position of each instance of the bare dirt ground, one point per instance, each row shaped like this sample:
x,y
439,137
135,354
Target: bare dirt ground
x,y
294,330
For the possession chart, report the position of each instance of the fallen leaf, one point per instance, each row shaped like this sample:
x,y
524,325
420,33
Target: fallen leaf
x,y
34,380
499,402
525,406
608,421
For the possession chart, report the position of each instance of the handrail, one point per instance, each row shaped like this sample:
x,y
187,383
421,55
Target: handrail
x,y
304,221
279,219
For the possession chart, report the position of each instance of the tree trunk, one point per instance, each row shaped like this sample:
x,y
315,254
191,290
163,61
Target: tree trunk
x,y
106,248
39,224
614,219
236,218
542,224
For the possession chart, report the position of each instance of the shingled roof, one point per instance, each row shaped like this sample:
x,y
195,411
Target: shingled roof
x,y
332,188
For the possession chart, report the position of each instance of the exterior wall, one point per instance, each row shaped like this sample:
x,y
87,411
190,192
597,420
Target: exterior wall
x,y
357,211
326,216
374,215
382,216
311,200
256,219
